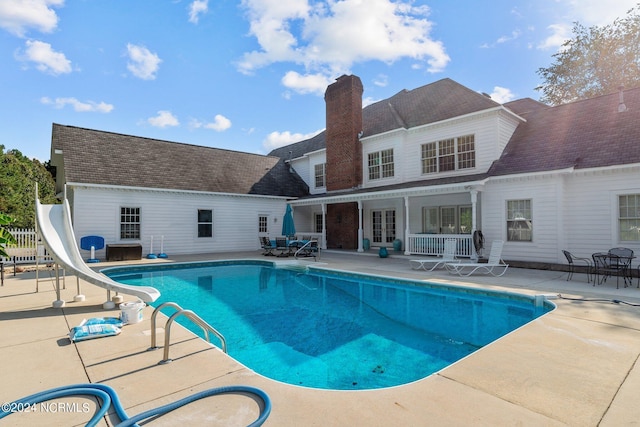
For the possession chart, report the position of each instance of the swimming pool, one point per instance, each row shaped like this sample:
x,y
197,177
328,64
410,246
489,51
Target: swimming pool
x,y
330,329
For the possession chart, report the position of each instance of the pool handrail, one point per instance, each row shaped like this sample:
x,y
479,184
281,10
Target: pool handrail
x,y
191,315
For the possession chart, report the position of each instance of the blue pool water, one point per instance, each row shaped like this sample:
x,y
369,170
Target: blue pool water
x,y
334,330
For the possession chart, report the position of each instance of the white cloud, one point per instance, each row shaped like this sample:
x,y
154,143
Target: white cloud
x,y
220,123
381,80
559,34
197,8
502,95
329,36
163,119
142,62
46,59
280,139
17,16
597,12
81,107
586,12
309,83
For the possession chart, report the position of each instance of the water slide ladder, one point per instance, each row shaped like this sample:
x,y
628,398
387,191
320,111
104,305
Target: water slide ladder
x,y
206,328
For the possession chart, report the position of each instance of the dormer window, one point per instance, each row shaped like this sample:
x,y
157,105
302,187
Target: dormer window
x,y
381,164
449,154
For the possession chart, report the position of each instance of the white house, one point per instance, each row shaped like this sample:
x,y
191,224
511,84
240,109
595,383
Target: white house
x,y
437,161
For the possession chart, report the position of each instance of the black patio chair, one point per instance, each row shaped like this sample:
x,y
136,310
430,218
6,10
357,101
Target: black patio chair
x,y
622,262
267,246
571,259
281,245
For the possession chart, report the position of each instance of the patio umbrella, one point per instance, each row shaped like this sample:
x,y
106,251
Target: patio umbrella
x,y
288,227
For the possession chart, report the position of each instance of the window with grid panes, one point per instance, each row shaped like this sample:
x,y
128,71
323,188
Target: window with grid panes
x,y
466,152
263,221
381,164
448,154
519,221
320,175
129,223
629,217
318,223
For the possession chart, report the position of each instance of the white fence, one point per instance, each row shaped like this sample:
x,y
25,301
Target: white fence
x,y
433,244
26,248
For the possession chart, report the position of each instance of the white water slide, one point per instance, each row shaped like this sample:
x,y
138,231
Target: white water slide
x,y
56,231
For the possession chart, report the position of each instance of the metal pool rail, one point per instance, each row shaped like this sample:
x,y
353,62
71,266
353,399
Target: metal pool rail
x,y
206,328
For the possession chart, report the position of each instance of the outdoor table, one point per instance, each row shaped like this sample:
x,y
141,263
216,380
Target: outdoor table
x,y
607,264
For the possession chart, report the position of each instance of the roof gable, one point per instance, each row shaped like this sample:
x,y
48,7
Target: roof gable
x,y
437,101
97,157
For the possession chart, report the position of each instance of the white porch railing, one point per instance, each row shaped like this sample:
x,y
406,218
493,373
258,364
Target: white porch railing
x,y
433,244
26,248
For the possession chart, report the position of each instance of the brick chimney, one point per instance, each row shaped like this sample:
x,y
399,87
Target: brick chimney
x,y
344,122
344,158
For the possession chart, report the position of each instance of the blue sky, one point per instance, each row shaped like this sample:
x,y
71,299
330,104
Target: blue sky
x,y
250,75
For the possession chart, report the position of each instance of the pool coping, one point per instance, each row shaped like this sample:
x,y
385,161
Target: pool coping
x,y
576,365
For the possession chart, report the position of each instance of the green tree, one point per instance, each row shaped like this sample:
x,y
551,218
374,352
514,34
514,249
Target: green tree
x,y
596,61
6,238
18,175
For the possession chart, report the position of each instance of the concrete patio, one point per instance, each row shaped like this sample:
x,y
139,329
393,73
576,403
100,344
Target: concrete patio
x,y
576,366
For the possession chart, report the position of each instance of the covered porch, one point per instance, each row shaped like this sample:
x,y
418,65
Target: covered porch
x,y
415,220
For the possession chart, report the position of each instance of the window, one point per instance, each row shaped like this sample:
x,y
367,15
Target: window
x,y
629,217
320,175
318,223
519,221
263,221
381,164
129,223
205,223
448,154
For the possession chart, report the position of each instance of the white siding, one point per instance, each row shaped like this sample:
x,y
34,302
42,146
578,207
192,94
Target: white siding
x,y
576,211
174,216
491,131
314,159
591,210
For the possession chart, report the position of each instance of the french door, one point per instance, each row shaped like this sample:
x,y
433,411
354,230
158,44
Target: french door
x,y
383,224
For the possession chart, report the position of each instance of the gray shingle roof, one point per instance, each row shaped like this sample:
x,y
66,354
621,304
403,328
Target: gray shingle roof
x,y
431,103
97,157
584,134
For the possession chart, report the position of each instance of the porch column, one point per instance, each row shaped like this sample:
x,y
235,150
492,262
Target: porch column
x,y
474,219
323,243
474,202
360,232
406,225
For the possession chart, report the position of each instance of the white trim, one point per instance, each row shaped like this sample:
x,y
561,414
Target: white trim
x,y
386,194
169,190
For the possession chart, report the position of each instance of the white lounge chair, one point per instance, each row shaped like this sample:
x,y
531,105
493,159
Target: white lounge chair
x,y
449,255
495,263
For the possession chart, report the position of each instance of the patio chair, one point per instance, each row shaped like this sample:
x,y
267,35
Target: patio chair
x,y
495,262
620,263
448,255
281,245
309,249
571,259
267,246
